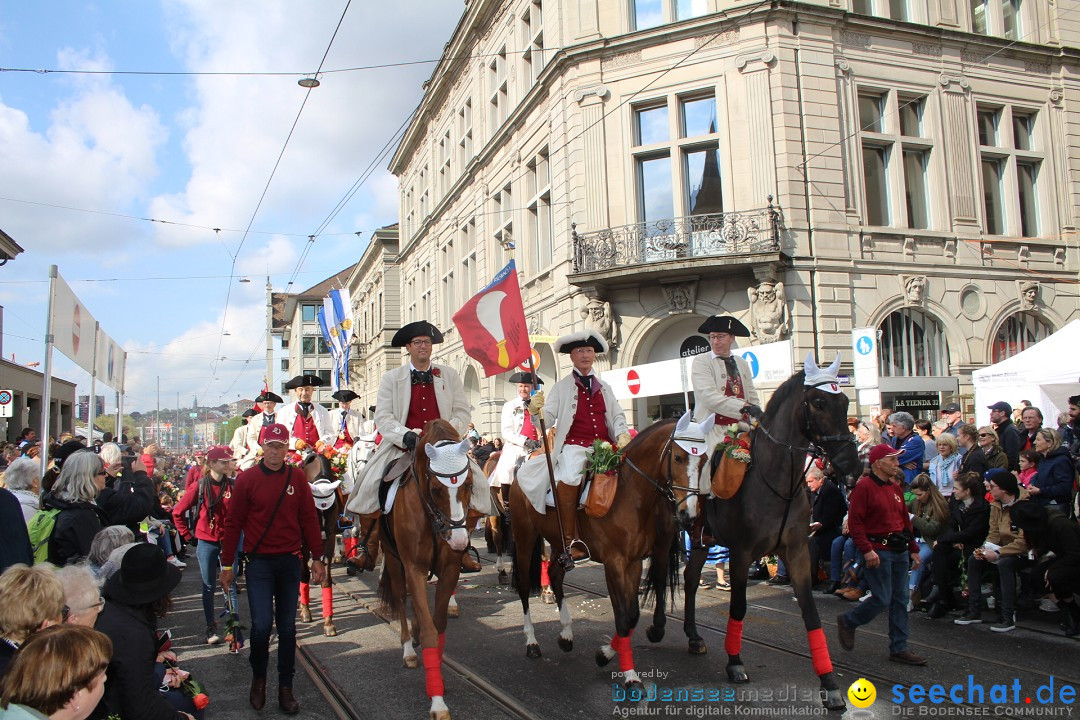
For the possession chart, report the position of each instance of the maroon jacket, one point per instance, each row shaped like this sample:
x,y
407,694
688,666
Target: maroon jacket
x,y
253,500
215,499
876,507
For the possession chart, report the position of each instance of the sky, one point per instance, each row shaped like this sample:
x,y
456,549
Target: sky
x,y
148,178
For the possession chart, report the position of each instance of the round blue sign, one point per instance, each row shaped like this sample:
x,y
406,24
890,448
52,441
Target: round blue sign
x,y
752,360
864,345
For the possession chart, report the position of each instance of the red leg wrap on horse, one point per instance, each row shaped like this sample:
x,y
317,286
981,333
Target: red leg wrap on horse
x,y
622,646
819,651
733,641
349,546
545,579
305,594
433,672
442,644
327,602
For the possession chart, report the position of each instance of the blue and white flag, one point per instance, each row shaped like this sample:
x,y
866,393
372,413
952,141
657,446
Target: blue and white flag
x,y
325,325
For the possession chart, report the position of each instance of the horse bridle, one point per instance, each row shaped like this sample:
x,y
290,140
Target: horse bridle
x,y
666,490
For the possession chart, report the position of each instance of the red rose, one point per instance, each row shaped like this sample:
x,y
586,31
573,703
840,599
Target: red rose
x,y
201,701
436,372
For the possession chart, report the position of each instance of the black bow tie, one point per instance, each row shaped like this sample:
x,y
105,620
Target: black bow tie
x,y
422,377
585,380
304,408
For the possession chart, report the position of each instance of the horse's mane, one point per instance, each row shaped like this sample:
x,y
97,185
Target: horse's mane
x,y
791,386
654,428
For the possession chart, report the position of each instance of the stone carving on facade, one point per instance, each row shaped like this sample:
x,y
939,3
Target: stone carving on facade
x,y
610,62
598,315
853,39
914,288
680,297
770,319
926,49
717,39
1028,291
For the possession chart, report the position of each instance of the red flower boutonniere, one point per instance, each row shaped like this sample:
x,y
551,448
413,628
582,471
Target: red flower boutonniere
x,y
436,372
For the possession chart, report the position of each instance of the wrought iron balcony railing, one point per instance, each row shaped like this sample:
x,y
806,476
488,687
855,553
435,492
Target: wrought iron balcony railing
x,y
697,236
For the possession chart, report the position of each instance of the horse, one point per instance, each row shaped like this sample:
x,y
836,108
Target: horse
x,y
640,522
425,532
328,504
771,511
497,527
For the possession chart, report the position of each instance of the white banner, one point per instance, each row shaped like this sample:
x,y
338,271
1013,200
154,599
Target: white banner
x,y
864,348
770,363
72,326
111,361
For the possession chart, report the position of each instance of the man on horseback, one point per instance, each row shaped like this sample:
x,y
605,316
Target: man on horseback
x,y
582,409
253,438
409,397
345,420
308,422
238,444
723,382
521,435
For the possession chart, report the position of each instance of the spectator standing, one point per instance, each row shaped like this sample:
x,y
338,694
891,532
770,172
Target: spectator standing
x,y
1049,532
14,539
23,479
974,460
910,445
952,414
945,467
827,510
59,674
1009,436
925,429
75,494
1032,419
882,532
128,495
149,458
1053,482
970,521
272,496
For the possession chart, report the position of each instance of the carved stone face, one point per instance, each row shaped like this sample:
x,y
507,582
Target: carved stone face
x,y
1029,294
915,289
767,293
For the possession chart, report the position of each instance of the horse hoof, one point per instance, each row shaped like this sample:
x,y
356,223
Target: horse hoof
x,y
329,630
547,597
834,700
504,578
635,686
453,611
566,645
439,715
305,613
654,634
737,674
602,659
532,650
410,662
697,647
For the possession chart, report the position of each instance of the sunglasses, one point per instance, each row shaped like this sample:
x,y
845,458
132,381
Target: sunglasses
x,y
985,435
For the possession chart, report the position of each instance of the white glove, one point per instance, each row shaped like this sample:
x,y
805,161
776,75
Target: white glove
x,y
623,440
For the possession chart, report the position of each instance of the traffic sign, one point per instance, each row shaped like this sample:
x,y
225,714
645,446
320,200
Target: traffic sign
x,y
633,382
524,366
7,406
864,343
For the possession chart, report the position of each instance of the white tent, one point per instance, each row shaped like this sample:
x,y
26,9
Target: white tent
x,y
1047,373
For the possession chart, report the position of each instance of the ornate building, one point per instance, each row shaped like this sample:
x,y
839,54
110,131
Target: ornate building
x,y
811,168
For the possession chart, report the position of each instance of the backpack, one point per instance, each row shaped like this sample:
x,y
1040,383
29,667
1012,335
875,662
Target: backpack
x,y
40,528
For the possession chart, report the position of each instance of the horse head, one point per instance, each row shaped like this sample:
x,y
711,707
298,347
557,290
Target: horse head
x,y
324,492
448,474
822,416
688,450
361,452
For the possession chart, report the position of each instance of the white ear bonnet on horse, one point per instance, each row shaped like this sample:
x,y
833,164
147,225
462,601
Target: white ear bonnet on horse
x,y
323,492
823,379
449,461
690,436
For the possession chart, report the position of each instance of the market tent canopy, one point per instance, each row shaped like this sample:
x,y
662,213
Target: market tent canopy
x,y
1047,373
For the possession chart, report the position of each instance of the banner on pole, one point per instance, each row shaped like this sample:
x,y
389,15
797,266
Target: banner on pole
x,y
72,326
111,362
492,324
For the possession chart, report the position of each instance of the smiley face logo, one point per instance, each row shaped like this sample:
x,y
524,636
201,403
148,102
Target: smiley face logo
x,y
862,693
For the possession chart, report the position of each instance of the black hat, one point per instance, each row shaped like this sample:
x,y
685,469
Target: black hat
x,y
1000,406
420,328
524,377
143,578
724,324
951,408
66,450
371,408
344,396
582,338
305,380
1004,480
248,413
269,397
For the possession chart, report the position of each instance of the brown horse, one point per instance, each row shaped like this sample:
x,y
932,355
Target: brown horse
x,y
328,505
497,527
425,532
641,522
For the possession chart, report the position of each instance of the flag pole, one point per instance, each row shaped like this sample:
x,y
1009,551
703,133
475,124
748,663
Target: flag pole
x,y
564,559
46,391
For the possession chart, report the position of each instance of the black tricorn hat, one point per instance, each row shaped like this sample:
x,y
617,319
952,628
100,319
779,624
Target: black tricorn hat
x,y
248,413
269,397
371,408
724,324
524,377
420,328
345,395
305,380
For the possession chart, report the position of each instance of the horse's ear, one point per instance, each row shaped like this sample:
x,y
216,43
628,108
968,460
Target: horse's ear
x,y
432,453
707,424
463,446
835,367
810,367
684,422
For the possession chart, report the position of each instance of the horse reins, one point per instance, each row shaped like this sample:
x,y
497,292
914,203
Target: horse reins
x,y
666,490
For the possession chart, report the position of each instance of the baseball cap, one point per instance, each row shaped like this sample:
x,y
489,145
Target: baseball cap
x,y
1000,406
274,433
1003,479
951,408
219,452
882,450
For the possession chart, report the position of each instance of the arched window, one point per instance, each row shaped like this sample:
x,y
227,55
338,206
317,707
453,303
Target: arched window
x,y
912,344
1017,333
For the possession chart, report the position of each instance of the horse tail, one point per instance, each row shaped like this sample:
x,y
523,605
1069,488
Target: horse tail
x,y
386,593
534,566
656,581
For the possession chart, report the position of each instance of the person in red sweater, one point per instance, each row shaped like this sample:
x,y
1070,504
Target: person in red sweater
x,y
210,495
880,527
272,506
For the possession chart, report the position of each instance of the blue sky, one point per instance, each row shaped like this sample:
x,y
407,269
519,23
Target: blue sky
x,y
80,151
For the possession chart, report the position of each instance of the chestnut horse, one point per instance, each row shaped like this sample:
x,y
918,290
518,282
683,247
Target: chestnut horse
x,y
328,504
771,511
425,532
497,526
641,521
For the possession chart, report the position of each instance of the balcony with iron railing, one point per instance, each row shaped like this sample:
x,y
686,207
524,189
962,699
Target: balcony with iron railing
x,y
674,247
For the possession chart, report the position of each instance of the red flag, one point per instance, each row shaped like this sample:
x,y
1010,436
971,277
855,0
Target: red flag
x,y
492,324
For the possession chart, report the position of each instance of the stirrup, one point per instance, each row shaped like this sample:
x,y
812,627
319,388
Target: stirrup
x,y
565,558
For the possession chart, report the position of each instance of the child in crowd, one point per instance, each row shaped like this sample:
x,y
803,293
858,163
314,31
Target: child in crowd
x,y
1029,465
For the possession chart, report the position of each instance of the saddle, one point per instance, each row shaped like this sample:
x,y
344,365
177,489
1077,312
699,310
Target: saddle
x,y
398,468
728,473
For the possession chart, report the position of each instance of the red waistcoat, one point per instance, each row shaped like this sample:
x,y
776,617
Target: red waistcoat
x,y
733,388
590,422
422,406
304,428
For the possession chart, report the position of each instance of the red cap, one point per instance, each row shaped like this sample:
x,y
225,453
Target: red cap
x,y
219,452
881,451
274,433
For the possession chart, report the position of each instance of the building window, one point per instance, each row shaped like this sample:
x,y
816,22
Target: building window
x,y
1002,18
1017,333
897,149
410,297
314,345
468,261
324,375
424,195
447,289
676,157
651,13
1011,152
285,364
465,144
912,344
410,213
504,217
444,165
892,9
309,313
532,28
541,228
497,94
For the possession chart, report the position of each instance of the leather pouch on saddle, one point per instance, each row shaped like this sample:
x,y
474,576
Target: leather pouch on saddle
x,y
728,475
601,494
